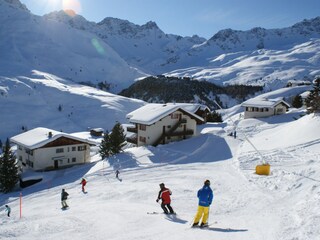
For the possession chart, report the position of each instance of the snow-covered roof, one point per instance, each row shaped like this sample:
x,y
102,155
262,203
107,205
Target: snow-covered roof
x,y
153,112
39,137
263,102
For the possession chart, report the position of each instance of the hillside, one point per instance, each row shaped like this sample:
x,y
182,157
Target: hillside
x,y
173,89
284,205
30,102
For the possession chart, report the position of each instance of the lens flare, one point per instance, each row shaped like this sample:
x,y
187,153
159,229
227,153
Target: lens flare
x,y
71,7
97,46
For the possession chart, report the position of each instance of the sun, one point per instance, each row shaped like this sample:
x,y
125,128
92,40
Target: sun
x,y
71,5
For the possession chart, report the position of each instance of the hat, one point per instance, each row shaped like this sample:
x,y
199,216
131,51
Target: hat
x,y
161,184
207,182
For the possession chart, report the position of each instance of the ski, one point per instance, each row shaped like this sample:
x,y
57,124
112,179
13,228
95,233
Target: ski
x,y
169,214
204,227
153,213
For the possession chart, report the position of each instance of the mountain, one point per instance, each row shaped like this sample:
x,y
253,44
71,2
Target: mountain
x,y
116,52
258,56
30,42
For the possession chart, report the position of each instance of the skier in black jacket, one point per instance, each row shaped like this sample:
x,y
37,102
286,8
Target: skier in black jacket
x,y
64,197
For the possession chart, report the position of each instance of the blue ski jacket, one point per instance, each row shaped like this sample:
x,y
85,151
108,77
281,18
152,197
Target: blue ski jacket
x,y
205,196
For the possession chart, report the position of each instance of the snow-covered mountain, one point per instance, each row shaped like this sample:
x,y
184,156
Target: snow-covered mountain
x,y
30,42
117,51
257,56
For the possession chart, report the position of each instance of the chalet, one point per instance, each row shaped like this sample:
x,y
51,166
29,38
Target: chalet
x,y
96,132
46,149
162,123
262,107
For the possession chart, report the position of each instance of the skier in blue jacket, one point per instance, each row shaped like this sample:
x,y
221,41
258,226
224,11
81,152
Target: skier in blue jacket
x,y
205,196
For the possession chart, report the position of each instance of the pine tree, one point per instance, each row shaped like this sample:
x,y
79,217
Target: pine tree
x,y
105,146
297,101
313,100
214,117
8,169
117,138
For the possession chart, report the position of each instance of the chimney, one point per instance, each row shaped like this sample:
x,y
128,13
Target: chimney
x,y
50,134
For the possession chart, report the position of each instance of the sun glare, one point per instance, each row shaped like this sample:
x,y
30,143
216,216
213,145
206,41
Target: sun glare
x,y
73,5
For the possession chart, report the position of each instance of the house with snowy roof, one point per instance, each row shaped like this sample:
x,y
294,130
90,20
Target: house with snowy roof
x,y
155,123
47,149
263,107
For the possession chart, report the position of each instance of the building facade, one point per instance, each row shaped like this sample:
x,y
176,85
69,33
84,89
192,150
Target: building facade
x,y
161,123
262,107
46,149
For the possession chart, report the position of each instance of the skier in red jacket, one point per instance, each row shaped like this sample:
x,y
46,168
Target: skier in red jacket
x,y
83,183
164,195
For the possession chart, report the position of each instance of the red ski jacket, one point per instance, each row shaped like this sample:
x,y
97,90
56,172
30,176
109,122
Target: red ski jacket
x,y
164,195
83,182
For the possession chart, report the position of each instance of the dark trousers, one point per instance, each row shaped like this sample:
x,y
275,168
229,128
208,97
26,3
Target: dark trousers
x,y
165,208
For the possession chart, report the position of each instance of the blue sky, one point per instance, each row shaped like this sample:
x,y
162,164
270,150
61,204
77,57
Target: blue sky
x,y
189,17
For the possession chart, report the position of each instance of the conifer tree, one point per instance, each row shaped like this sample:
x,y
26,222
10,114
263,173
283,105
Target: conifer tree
x,y
214,117
313,100
8,169
105,146
297,101
117,138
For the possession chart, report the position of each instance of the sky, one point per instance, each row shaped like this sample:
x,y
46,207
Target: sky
x,y
189,17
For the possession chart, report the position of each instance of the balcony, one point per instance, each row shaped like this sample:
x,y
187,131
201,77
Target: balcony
x,y
133,140
132,129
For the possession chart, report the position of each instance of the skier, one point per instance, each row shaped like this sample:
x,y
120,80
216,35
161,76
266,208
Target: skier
x,y
8,210
83,183
117,174
205,196
164,195
64,197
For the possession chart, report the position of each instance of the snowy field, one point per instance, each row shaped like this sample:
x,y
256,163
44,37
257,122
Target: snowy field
x,y
282,206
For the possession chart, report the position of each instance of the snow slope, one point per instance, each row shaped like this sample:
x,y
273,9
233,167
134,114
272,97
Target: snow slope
x,y
34,101
284,205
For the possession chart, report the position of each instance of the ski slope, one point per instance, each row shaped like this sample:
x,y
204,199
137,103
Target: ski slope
x,y
284,205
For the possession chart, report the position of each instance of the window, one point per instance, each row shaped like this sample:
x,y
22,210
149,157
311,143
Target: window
x,y
82,148
28,151
279,110
59,150
74,159
142,139
175,115
74,149
29,163
20,158
142,127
